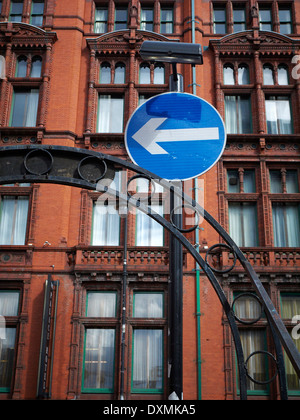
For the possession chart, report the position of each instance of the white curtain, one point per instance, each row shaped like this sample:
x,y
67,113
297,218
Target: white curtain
x,y
243,75
247,307
243,223
144,77
31,107
147,359
148,305
99,359
159,74
13,223
278,115
268,75
9,303
100,20
228,75
110,114
106,225
148,231
105,73
101,304
253,340
286,224
166,17
120,73
283,78
36,67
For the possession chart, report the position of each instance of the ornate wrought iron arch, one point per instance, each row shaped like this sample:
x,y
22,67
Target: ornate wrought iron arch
x,y
83,169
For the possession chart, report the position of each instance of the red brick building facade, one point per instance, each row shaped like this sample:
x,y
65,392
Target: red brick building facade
x,y
71,75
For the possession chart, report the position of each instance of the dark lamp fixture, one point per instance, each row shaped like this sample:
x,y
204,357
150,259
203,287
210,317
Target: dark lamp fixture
x,y
171,52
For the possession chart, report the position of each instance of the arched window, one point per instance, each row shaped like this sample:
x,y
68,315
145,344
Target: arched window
x,y
105,73
268,74
283,75
144,74
159,74
36,67
243,75
228,74
120,73
21,70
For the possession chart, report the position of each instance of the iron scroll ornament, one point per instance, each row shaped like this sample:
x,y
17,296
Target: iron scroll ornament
x,y
84,168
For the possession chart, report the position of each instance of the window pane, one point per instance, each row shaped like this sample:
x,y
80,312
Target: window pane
x,y
243,75
105,76
147,16
243,223
21,67
290,306
166,21
148,305
16,10
99,359
25,106
247,308
13,220
37,11
275,181
286,224
238,114
36,67
292,183
110,114
265,17
219,21
9,303
101,304
7,352
120,73
278,114
249,181
285,20
283,78
106,224
144,74
239,19
228,74
147,360
159,74
148,231
120,18
253,340
100,20
233,181
268,75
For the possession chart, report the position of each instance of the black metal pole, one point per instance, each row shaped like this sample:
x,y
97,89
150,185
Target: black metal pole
x,y
124,286
175,286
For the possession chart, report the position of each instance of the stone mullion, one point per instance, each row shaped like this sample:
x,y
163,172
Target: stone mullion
x,y
265,204
91,93
6,90
260,99
45,88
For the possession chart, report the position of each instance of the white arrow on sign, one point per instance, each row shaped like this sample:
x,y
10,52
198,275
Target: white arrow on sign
x,y
148,136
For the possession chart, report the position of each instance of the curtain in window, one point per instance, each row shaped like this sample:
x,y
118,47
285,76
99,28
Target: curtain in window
x,y
243,75
13,223
36,67
9,303
144,74
7,351
237,114
292,184
148,231
166,18
120,73
105,76
228,75
278,115
268,75
247,307
283,78
106,225
147,16
148,305
249,181
21,67
25,108
147,359
101,304
159,74
253,340
100,20
286,224
2,67
243,223
99,359
110,114
37,11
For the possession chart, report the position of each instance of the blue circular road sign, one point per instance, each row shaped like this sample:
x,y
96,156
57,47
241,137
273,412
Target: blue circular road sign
x,y
177,136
